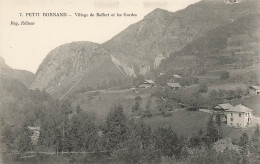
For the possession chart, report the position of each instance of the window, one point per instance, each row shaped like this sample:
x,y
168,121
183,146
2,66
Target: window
x,y
231,114
239,114
231,119
231,124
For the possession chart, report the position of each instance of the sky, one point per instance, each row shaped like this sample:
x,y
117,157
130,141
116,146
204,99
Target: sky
x,y
25,46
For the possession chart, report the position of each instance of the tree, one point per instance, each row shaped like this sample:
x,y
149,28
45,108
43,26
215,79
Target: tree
x,y
254,146
257,130
197,140
139,144
148,104
167,142
137,104
244,143
82,133
115,128
224,75
25,142
213,132
203,88
78,109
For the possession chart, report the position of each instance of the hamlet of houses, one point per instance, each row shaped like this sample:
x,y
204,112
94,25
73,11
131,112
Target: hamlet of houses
x,y
234,116
172,83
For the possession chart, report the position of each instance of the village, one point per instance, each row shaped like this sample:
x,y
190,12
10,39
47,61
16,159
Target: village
x,y
236,116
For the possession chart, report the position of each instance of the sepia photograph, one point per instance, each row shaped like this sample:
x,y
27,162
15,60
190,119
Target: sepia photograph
x,y
130,82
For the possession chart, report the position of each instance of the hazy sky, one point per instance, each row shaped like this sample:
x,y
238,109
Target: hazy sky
x,y
24,47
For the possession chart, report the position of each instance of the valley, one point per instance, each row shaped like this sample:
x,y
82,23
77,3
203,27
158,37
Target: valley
x,y
171,88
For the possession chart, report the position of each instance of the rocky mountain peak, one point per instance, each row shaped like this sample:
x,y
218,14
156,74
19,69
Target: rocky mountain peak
x,y
157,14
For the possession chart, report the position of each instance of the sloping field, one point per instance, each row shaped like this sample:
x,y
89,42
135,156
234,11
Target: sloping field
x,y
100,102
183,122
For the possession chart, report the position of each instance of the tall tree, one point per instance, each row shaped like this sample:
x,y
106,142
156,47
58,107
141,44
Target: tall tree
x,y
167,142
115,128
82,133
213,132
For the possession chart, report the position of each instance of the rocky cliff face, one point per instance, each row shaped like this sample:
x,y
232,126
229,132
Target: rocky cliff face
x,y
71,64
135,50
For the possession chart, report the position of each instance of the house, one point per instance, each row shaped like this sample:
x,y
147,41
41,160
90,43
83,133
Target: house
x,y
135,90
222,107
36,134
254,90
239,116
147,84
171,81
100,133
176,78
220,110
175,86
34,128
161,74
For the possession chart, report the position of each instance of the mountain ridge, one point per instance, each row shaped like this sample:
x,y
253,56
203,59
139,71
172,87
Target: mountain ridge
x,y
25,77
136,50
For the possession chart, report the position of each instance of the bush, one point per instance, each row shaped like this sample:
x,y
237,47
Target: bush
x,y
192,109
147,113
224,75
167,114
203,88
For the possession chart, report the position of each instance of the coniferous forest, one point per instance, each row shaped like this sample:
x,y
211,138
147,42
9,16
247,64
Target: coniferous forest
x,y
72,134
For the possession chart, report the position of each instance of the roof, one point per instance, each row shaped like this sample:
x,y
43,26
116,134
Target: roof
x,y
173,84
255,87
176,76
149,81
225,106
240,109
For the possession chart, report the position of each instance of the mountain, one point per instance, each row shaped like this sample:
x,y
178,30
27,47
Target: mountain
x,y
138,49
75,65
215,48
162,33
23,76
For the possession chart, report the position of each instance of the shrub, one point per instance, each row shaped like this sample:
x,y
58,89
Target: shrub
x,y
167,114
203,88
192,109
224,75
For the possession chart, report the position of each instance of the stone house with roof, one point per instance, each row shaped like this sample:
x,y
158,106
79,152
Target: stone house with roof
x,y
220,110
239,116
174,86
147,84
254,90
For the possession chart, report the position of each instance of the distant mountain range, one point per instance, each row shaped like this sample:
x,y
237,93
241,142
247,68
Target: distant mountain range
x,y
24,77
138,49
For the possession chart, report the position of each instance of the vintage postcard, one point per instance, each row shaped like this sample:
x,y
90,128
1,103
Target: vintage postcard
x,y
129,81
